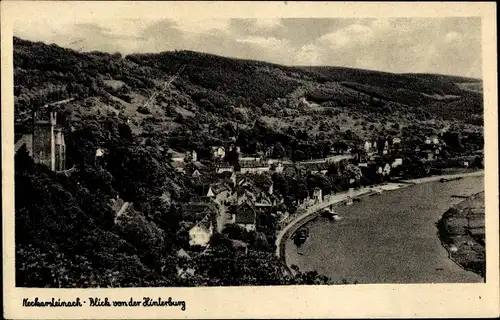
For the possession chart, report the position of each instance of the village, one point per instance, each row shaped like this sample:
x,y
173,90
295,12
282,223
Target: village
x,y
235,191
242,194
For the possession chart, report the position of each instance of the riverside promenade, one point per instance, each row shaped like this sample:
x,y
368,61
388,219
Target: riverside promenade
x,y
310,212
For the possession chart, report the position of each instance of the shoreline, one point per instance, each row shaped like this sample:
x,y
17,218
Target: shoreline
x,y
448,239
336,199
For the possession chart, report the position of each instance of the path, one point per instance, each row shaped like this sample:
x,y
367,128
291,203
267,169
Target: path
x,y
122,210
166,85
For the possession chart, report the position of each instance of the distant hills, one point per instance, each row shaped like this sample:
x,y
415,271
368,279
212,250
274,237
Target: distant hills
x,y
214,92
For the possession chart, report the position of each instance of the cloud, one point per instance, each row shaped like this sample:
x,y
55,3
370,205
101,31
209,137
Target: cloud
x,y
352,35
437,45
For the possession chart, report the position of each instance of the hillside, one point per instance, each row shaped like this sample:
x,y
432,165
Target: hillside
x,y
213,96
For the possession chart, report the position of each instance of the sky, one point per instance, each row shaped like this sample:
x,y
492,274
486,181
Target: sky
x,y
430,45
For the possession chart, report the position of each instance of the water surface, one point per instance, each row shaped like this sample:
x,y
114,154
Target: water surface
x,y
387,238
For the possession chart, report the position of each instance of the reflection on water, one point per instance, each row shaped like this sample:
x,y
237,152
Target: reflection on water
x,y
387,238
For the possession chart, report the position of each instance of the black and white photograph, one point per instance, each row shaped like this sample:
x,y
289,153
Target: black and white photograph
x,y
156,151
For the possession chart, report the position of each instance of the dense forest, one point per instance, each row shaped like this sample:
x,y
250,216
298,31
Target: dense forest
x,y
139,106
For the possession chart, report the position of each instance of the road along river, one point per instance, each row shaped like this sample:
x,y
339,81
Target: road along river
x,y
387,238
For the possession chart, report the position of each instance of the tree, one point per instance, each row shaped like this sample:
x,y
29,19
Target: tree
x,y
279,151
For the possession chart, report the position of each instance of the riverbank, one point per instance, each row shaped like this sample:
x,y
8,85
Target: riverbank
x,y
445,176
387,238
314,211
461,230
338,199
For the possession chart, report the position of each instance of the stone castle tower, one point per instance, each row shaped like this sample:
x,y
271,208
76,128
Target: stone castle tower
x,y
48,146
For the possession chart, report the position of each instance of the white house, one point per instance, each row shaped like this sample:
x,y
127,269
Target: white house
x,y
397,162
249,158
224,167
254,167
218,152
192,155
318,195
386,170
432,140
368,146
279,167
100,152
386,147
200,234
196,173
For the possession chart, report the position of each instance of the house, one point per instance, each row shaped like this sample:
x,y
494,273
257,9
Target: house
x,y
179,166
434,139
224,167
239,246
181,253
245,216
397,162
386,147
233,179
386,170
176,156
197,209
277,167
367,146
196,173
254,167
200,234
218,152
192,156
318,195
321,167
100,152
263,199
185,272
250,158
427,154
242,196
217,192
244,181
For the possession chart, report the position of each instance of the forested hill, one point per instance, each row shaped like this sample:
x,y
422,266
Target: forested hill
x,y
213,96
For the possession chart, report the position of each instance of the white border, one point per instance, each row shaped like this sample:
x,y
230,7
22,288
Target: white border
x,y
388,301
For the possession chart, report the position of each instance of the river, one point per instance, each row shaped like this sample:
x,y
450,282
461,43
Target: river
x,y
387,238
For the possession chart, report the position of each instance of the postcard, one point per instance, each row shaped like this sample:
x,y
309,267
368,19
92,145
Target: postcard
x,y
219,160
